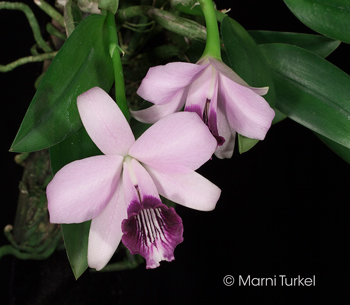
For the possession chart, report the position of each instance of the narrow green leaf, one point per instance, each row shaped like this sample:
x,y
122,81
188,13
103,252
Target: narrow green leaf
x,y
327,17
320,45
247,61
82,63
311,91
77,146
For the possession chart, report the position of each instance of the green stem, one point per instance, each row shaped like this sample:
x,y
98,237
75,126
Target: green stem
x,y
34,50
9,249
54,32
25,60
48,9
167,20
212,47
117,65
72,16
132,11
31,19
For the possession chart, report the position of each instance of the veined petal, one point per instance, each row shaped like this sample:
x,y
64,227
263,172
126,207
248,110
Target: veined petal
x,y
162,83
247,112
191,190
152,230
233,76
82,189
106,231
154,113
176,143
104,122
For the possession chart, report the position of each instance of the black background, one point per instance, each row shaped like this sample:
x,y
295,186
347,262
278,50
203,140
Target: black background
x,y
282,209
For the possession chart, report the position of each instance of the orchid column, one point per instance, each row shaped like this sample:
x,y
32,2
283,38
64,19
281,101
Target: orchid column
x,y
223,100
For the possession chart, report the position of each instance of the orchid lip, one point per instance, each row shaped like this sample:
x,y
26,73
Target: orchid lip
x,y
152,230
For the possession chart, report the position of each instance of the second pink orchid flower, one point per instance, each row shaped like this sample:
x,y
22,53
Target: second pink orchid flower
x,y
223,100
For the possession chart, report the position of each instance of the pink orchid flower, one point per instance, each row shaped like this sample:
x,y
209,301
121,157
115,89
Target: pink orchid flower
x,y
222,99
120,190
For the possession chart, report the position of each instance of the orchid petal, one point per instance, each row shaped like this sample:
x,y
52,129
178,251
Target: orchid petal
x,y
130,184
104,122
191,190
82,189
153,230
212,117
156,112
247,112
162,83
225,131
106,232
233,76
198,92
176,143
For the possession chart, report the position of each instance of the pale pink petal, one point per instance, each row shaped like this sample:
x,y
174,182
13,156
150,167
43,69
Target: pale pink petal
x,y
106,231
156,112
175,143
83,188
191,190
162,83
129,183
230,74
104,122
198,92
225,131
247,112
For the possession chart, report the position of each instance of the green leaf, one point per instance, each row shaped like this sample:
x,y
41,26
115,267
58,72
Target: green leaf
x,y
77,146
83,62
311,91
247,61
279,116
76,243
327,17
340,150
320,45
